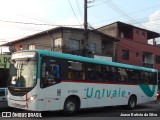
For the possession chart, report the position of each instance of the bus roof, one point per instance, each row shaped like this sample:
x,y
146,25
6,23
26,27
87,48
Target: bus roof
x,y
92,60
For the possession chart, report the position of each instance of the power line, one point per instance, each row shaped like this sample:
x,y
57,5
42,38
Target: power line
x,y
143,10
142,21
79,9
112,5
67,25
29,16
18,22
97,3
73,11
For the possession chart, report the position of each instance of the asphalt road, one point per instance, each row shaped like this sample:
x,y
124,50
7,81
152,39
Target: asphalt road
x,y
147,111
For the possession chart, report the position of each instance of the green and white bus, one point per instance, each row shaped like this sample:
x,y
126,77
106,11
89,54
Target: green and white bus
x,y
44,80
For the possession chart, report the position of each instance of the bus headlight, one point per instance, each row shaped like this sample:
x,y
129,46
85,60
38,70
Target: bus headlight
x,y
32,98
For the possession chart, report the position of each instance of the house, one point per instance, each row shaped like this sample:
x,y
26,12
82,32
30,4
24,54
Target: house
x,y
68,40
132,47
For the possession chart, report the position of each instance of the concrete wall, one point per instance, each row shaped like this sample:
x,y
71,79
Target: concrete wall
x,y
110,30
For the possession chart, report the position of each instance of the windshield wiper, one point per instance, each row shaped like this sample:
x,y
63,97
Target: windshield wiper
x,y
22,65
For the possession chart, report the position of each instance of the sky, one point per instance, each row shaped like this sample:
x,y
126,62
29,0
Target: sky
x,y
20,18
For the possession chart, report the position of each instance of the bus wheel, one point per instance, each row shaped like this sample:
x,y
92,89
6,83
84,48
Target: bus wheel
x,y
132,102
70,106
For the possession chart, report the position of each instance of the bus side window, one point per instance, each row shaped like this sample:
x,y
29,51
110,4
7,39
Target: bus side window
x,y
109,74
145,77
122,75
75,70
152,79
55,72
50,72
94,72
134,77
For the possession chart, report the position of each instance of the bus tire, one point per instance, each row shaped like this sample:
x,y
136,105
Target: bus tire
x,y
70,106
132,102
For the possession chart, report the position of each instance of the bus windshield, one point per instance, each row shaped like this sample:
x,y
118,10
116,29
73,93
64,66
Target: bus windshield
x,y
23,70
23,73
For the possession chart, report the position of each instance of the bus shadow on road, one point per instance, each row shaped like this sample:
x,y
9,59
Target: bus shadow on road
x,y
109,111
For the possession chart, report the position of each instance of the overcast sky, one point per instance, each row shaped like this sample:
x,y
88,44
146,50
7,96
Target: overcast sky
x,y
19,18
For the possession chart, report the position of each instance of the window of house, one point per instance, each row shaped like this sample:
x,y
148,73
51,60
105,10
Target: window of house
x,y
20,47
157,59
74,44
58,42
122,34
92,46
125,54
31,47
143,34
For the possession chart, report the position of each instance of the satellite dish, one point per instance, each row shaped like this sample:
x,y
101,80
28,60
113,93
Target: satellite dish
x,y
12,49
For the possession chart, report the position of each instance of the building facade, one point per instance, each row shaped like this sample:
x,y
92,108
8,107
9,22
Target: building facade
x,y
132,47
68,40
119,41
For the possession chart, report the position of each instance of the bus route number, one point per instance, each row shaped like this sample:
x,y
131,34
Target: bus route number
x,y
72,91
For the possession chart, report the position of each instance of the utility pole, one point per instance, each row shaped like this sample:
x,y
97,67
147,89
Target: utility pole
x,y
86,52
85,20
85,30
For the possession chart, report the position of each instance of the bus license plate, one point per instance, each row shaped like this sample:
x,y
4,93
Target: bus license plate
x,y
19,106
